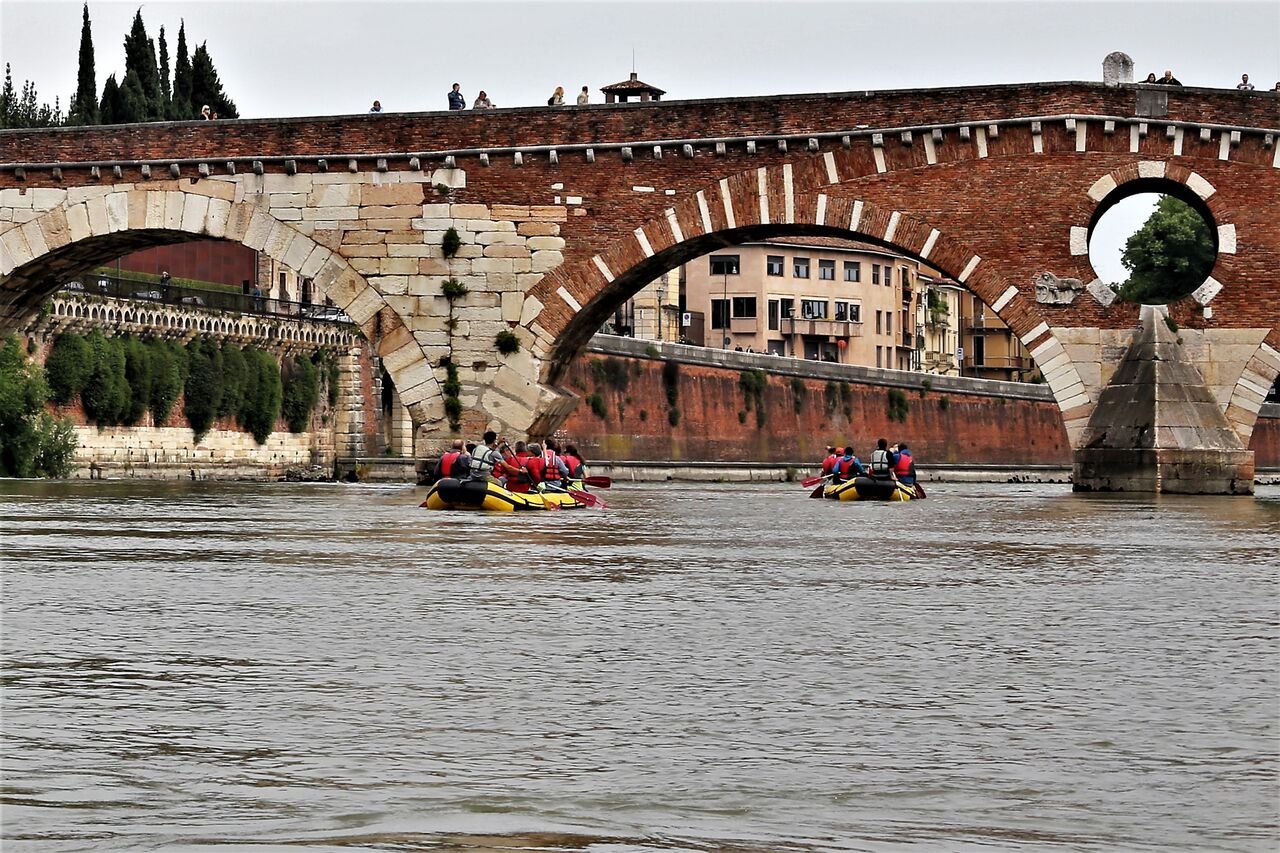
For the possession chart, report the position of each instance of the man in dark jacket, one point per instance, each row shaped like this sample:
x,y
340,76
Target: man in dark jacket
x,y
456,100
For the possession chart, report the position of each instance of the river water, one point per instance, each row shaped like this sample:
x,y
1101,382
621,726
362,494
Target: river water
x,y
699,667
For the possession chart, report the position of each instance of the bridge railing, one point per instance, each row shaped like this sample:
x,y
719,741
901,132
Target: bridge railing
x,y
142,290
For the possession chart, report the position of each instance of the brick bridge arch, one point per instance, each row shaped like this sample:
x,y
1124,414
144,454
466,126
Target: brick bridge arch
x,y
562,211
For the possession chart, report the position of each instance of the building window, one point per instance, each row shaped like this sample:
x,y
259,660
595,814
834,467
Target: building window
x,y
888,322
875,273
827,270
773,315
813,309
724,264
879,354
855,312
888,275
284,280
788,307
853,271
773,264
801,267
744,306
842,311
719,313
904,276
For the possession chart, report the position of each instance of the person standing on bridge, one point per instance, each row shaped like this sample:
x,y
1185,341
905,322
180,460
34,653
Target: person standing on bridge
x,y
584,97
1169,80
482,102
376,108
1244,85
557,97
456,99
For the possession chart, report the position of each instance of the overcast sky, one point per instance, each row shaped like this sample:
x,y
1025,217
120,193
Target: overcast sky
x,y
323,58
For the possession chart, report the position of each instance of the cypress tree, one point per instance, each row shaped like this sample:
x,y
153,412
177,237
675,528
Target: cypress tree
x,y
8,99
140,62
84,105
206,88
166,93
112,109
182,108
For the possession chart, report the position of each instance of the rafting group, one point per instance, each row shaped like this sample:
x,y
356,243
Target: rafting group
x,y
890,476
497,477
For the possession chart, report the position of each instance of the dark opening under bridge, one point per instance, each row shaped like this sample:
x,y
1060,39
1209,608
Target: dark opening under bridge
x,y
565,213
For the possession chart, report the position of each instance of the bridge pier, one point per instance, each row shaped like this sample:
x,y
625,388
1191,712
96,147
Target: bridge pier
x,y
1158,428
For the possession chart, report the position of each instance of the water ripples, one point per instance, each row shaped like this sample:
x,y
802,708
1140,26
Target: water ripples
x,y
698,668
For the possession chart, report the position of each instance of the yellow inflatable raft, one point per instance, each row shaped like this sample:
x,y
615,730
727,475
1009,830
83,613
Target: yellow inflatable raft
x,y
868,489
488,496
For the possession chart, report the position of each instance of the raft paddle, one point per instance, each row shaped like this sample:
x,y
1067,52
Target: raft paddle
x,y
597,482
813,481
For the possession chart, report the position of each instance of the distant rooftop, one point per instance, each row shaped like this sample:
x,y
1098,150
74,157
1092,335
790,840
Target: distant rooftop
x,y
632,87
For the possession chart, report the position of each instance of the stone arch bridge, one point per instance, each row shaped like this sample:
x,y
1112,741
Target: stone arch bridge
x,y
565,213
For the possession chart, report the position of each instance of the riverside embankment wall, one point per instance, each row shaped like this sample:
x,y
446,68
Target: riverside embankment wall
x,y
802,407
950,421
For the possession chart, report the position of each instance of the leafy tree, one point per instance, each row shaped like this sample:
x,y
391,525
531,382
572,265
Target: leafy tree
x,y
203,390
181,108
137,371
1169,256
8,99
234,372
206,88
32,442
25,110
84,104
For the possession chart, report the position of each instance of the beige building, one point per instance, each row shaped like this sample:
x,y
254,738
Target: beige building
x,y
938,324
990,348
818,298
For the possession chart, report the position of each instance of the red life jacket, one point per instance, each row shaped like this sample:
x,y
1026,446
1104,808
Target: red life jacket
x,y
903,466
829,464
446,462
534,465
843,466
574,463
550,470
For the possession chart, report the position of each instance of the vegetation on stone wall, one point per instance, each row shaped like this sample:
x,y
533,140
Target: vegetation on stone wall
x,y
450,243
898,406
118,379
671,382
301,392
598,408
33,443
611,372
506,342
262,396
753,383
67,368
452,389
799,391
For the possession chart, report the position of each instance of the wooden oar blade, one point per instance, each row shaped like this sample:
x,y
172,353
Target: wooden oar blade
x,y
587,498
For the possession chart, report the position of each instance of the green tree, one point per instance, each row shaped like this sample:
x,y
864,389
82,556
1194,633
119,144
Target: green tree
x,y
112,108
138,373
67,368
206,88
260,407
181,107
84,104
25,110
301,391
141,73
106,395
166,92
168,373
32,442
8,99
203,390
1169,256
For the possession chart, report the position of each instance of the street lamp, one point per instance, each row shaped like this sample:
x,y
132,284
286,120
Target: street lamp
x,y
661,295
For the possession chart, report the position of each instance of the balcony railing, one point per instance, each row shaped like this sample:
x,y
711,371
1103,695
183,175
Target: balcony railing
x,y
1000,362
123,287
829,328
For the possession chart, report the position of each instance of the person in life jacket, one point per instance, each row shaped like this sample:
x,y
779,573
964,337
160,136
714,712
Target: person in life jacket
x,y
544,466
574,462
454,462
512,470
905,467
883,460
847,466
829,463
486,457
